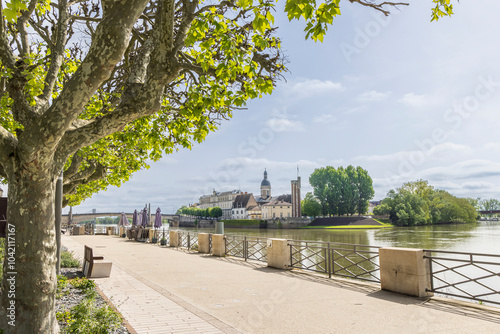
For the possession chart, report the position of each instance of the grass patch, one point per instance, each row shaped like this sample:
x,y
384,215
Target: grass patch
x,y
348,227
383,221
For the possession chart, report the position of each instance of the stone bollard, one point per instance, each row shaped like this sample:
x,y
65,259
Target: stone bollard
x,y
174,238
218,245
278,253
404,270
203,243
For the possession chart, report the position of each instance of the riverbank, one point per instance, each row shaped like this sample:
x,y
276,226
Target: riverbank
x,y
237,296
358,222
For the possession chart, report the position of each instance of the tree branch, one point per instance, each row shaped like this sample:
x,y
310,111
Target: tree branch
x,y
138,100
76,162
21,27
8,144
57,57
380,6
108,46
187,18
6,54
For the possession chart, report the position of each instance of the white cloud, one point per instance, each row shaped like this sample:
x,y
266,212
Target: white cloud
x,y
491,147
373,95
420,100
448,148
325,118
314,87
284,125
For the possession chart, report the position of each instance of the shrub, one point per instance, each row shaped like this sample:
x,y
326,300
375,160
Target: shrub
x,y
83,284
87,318
68,260
62,283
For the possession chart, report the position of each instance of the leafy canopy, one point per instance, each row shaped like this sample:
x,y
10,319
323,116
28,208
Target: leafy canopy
x,y
228,54
418,203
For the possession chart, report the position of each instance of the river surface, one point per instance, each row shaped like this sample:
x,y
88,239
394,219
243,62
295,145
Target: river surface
x,y
480,237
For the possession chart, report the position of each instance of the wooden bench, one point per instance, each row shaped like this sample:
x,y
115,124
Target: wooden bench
x,y
95,266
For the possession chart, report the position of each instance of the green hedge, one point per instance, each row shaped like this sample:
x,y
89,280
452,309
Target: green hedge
x,y
242,222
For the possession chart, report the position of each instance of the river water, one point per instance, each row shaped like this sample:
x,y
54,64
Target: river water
x,y
480,237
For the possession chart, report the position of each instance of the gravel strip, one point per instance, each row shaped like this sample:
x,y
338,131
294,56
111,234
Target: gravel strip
x,y
72,297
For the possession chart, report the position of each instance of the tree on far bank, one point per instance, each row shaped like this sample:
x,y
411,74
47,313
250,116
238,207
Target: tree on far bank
x,y
342,191
491,204
95,88
215,212
310,207
418,203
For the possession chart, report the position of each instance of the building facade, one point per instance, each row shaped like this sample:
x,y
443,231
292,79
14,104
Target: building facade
x,y
276,210
223,200
241,206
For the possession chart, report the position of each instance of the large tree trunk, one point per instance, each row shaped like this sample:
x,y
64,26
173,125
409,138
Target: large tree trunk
x,y
31,254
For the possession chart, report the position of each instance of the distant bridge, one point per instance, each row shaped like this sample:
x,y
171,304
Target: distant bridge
x,y
489,212
81,217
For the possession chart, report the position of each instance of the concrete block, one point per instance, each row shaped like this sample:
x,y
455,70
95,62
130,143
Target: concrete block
x,y
101,269
404,270
278,253
203,243
174,238
218,245
79,230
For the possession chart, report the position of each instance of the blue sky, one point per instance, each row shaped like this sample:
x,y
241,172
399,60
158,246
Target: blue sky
x,y
402,97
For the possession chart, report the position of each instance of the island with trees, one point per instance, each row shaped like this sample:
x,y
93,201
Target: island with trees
x,y
418,203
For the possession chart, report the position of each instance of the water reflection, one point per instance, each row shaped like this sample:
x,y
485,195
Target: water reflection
x,y
481,237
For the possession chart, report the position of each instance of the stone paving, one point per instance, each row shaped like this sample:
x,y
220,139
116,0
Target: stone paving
x,y
167,290
146,310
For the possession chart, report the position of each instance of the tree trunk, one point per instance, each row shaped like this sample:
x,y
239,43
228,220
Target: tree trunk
x,y
30,254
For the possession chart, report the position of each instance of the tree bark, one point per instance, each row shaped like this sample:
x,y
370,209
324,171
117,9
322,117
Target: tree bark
x,y
29,282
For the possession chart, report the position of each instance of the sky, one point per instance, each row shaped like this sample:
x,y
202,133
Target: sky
x,y
400,96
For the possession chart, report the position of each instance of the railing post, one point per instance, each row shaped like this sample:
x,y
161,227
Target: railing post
x,y
189,242
405,270
218,245
174,239
431,273
245,248
329,258
277,255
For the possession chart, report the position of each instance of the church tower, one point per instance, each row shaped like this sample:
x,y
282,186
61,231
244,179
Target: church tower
x,y
265,187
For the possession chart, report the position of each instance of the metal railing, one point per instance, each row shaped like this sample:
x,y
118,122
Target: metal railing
x,y
246,247
164,234
188,240
347,260
471,276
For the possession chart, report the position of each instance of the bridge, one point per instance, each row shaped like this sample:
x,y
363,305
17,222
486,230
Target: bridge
x,y
81,217
489,212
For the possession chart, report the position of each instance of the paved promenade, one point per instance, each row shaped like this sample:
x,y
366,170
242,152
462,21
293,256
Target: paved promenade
x,y
165,290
